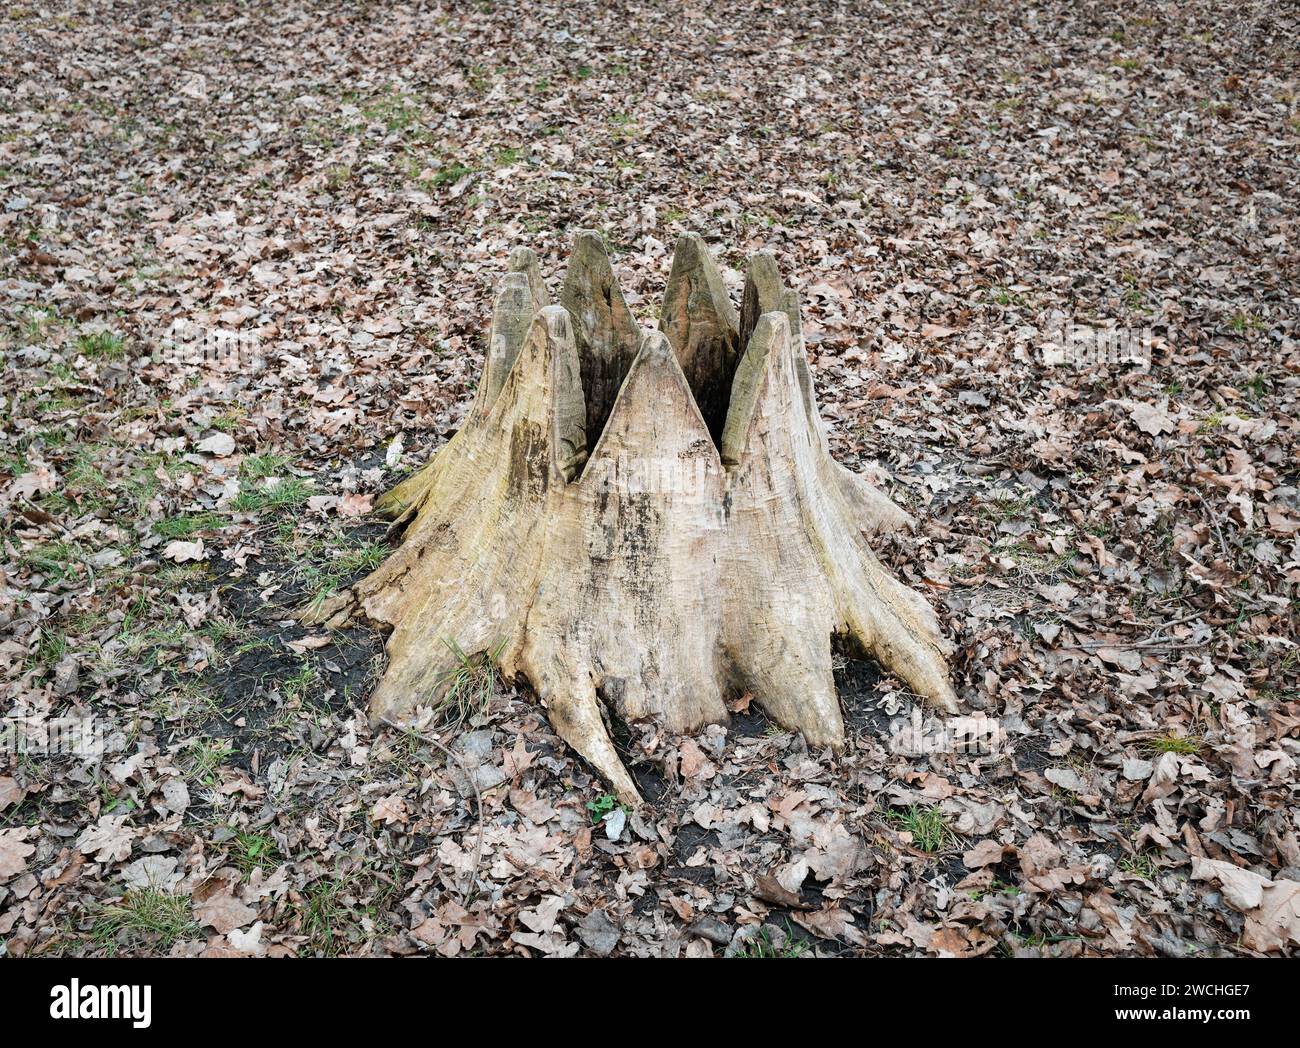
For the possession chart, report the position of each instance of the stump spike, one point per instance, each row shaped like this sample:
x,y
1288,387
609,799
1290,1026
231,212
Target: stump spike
x,y
520,294
762,293
573,709
512,316
701,323
876,513
778,465
524,260
605,330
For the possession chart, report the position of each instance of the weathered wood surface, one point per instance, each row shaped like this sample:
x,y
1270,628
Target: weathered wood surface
x,y
644,520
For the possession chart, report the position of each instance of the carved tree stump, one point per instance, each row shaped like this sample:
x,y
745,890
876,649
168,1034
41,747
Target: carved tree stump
x,y
644,520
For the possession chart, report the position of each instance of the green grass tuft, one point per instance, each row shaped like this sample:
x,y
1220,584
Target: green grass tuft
x,y
145,918
1141,865
102,344
761,945
470,685
1171,743
288,494
184,526
929,828
259,467
255,851
205,757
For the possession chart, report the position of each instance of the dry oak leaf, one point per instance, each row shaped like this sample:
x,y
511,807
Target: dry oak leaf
x,y
153,872
180,551
309,643
542,918
390,809
10,792
598,932
837,854
14,852
355,505
985,854
38,482
1054,880
223,912
531,807
108,840
958,941
1151,418
791,876
248,943
1271,908
71,863
830,922
770,889
516,761
552,944
693,761
936,331
1038,855
175,797
219,444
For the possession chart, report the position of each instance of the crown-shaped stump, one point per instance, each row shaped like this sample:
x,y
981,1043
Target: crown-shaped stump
x,y
642,522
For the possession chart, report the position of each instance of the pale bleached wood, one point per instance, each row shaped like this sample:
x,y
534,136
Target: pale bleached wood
x,y
524,260
873,510
646,566
762,294
522,293
701,323
782,468
606,332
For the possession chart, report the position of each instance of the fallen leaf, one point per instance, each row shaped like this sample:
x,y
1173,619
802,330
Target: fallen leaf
x,y
181,551
219,444
355,505
542,917
1271,908
248,943
391,810
598,932
10,792
936,331
985,853
1151,418
223,912
14,851
156,872
108,840
308,643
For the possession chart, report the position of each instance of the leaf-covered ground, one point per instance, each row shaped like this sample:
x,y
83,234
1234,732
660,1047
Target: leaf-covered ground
x,y
1113,548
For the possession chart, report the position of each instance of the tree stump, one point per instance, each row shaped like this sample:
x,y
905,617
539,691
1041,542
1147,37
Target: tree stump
x,y
642,522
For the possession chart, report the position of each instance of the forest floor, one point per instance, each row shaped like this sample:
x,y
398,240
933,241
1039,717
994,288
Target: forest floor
x,y
965,194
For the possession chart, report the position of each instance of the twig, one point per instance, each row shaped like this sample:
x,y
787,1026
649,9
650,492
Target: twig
x,y
1162,643
1161,625
478,796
